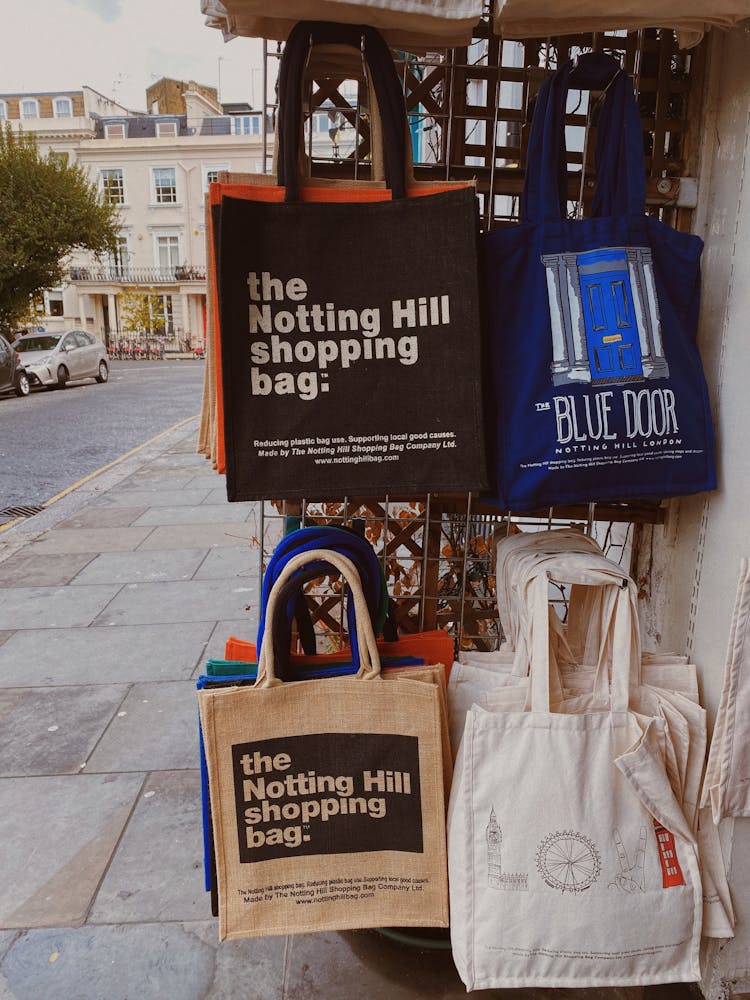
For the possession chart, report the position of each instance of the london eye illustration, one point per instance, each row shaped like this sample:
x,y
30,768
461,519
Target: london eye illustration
x,y
568,861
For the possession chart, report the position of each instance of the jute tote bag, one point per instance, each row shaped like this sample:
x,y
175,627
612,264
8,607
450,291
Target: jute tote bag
x,y
326,796
571,862
326,317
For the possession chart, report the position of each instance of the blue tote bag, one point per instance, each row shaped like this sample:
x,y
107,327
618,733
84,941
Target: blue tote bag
x,y
598,387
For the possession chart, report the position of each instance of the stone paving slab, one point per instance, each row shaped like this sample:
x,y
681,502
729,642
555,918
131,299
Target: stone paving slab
x,y
219,495
53,607
141,567
204,536
225,564
143,962
57,836
180,601
116,655
147,478
179,460
98,517
205,514
5,634
50,570
333,966
164,838
53,730
155,497
241,629
216,481
89,540
6,940
155,729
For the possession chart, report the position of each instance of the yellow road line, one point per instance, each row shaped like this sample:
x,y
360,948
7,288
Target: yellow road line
x,y
98,472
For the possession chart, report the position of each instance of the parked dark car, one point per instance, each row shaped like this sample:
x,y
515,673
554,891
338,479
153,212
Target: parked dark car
x,y
13,377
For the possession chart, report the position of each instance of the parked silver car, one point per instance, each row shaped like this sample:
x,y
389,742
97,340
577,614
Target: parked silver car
x,y
59,358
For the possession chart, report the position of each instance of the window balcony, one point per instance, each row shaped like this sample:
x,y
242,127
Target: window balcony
x,y
136,275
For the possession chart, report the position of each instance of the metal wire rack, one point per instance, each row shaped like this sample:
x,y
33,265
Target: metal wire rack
x,y
469,113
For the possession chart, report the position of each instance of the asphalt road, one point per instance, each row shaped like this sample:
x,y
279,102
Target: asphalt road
x,y
54,437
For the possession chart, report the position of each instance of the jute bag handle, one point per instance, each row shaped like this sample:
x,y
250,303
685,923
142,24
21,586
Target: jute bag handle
x,y
369,657
385,83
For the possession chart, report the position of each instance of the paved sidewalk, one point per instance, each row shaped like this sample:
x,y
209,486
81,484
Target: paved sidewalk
x,y
110,602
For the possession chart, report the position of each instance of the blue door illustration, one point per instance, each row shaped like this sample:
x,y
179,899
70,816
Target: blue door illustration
x,y
609,316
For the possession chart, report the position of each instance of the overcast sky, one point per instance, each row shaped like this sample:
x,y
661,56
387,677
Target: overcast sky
x,y
120,47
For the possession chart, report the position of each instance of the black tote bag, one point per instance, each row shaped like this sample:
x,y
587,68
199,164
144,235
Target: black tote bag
x,y
349,318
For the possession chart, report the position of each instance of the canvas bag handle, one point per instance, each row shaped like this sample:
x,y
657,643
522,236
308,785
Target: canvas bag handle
x,y
624,651
387,88
621,176
369,657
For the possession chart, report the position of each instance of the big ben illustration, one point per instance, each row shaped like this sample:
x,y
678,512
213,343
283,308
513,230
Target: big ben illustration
x,y
496,877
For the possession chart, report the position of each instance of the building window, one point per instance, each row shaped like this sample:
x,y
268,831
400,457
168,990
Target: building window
x,y
161,314
112,186
246,124
114,130
167,252
166,129
3,111
211,173
120,258
62,107
54,302
30,108
165,185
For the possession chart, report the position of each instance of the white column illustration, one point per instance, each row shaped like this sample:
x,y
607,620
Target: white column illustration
x,y
641,268
569,354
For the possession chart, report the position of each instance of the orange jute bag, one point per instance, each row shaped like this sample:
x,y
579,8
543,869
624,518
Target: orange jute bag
x,y
327,798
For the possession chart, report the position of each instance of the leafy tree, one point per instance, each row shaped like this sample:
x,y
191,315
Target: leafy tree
x,y
142,310
47,209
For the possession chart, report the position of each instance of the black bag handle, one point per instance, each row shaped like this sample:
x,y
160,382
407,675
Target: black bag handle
x,y
388,94
621,175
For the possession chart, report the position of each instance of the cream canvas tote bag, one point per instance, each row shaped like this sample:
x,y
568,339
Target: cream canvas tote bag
x,y
571,863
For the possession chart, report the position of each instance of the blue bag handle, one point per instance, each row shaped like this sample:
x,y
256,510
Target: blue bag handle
x,y
348,543
388,94
621,176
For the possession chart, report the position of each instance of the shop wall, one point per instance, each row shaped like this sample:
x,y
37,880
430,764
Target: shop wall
x,y
690,565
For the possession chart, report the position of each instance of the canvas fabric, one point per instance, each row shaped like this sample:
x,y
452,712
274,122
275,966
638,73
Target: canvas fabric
x,y
541,18
405,24
326,864
565,882
726,788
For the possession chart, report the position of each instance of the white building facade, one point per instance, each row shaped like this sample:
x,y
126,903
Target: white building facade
x,y
155,168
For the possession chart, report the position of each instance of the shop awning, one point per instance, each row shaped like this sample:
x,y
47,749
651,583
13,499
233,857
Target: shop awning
x,y
405,24
689,18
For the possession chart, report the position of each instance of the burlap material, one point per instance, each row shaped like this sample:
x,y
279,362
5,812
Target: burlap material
x,y
327,797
